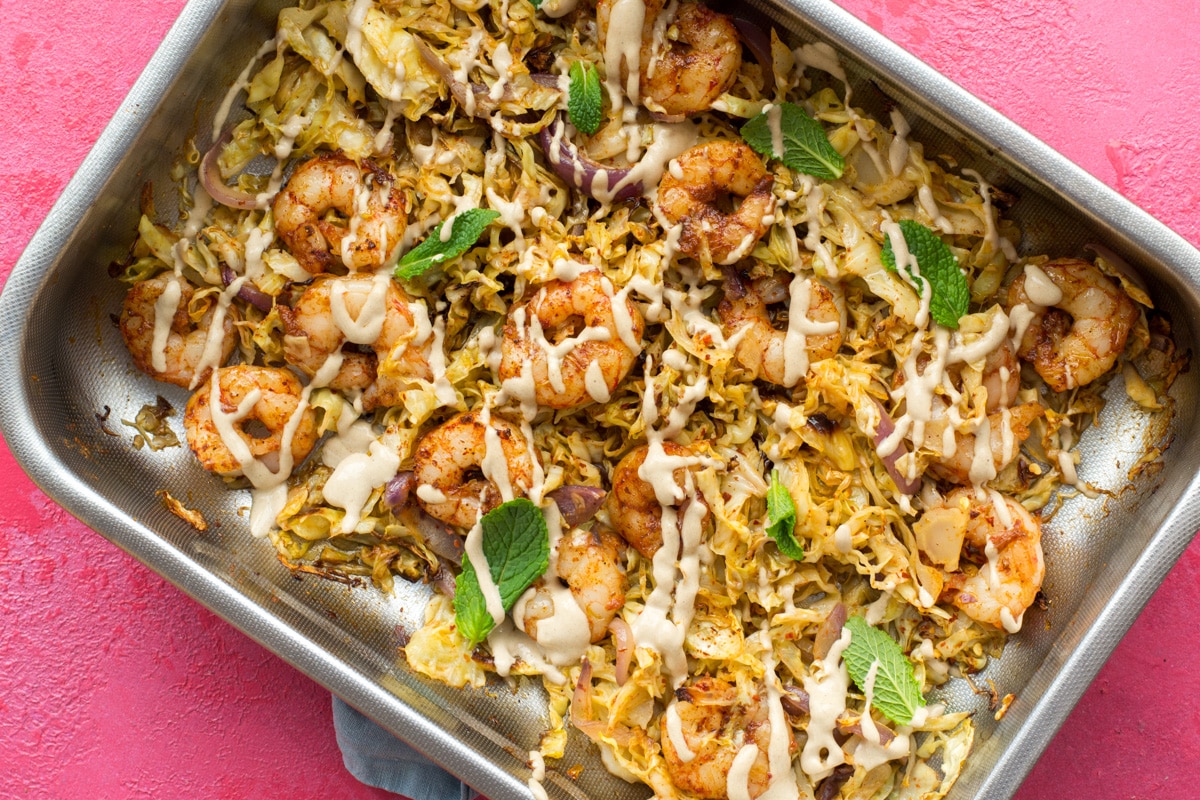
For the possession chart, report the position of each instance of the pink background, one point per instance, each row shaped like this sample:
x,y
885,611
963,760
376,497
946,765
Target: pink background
x,y
116,685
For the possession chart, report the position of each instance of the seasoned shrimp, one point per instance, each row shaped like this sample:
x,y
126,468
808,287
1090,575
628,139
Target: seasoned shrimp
x,y
1080,335
1007,429
351,313
265,427
1001,377
686,61
453,463
716,724
185,341
365,195
813,328
697,192
592,565
1005,566
633,506
574,338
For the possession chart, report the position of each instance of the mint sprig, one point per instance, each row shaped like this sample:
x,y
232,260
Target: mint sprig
x,y
517,548
949,293
896,693
465,230
584,97
781,518
806,146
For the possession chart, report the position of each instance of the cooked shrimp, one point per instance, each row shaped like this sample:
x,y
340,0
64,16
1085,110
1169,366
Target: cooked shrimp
x,y
265,427
1003,548
365,195
697,193
686,61
812,332
1001,377
576,343
592,565
633,506
372,313
454,462
716,724
1005,437
185,341
1076,339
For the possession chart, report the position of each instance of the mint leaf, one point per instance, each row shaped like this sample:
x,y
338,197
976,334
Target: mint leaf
x,y
465,231
896,692
949,294
584,97
517,547
781,518
806,147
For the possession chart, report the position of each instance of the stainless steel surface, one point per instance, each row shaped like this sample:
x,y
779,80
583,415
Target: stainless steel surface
x,y
62,362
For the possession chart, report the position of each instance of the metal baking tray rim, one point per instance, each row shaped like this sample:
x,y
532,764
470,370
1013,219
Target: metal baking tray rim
x,y
1091,196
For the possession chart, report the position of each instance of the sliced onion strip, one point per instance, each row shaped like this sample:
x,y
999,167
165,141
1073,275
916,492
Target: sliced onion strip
x,y
214,184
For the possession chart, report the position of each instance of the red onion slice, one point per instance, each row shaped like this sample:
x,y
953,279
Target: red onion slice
x,y
579,170
795,701
581,705
398,489
759,43
214,184
577,504
251,294
440,538
831,787
886,426
623,639
829,631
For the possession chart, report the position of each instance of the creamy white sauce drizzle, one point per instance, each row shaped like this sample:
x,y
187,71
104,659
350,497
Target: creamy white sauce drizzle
x,y
556,9
675,733
870,752
800,327
663,622
289,130
782,785
358,475
164,312
1040,288
563,636
990,234
814,215
930,206
537,775
366,327
241,83
361,203
269,485
898,152
622,49
467,59
430,494
737,781
597,387
509,644
826,686
670,140
908,269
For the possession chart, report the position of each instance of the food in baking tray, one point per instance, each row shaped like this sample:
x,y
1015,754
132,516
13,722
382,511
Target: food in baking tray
x,y
698,394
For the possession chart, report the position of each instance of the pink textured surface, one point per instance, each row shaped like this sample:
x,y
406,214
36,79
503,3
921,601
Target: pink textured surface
x,y
116,685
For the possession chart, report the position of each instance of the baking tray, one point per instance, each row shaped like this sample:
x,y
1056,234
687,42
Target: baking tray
x,y
62,363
